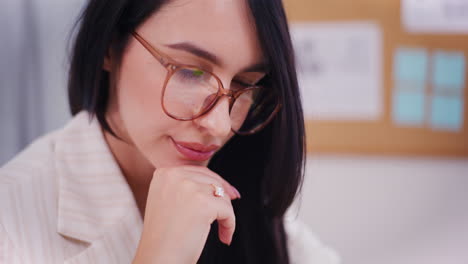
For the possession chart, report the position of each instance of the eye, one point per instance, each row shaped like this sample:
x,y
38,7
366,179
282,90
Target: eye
x,y
249,79
239,85
187,74
191,73
198,73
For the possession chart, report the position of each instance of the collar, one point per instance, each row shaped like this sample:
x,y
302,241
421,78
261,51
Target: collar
x,y
94,197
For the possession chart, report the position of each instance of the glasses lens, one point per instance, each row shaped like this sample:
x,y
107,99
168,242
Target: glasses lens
x,y
189,92
252,109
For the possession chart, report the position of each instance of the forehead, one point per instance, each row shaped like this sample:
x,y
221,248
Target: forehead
x,y
223,27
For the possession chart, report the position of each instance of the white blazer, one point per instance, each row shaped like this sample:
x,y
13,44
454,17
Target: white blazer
x,y
64,200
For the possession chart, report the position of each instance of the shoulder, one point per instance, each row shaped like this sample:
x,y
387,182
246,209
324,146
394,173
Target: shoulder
x,y
304,246
38,160
28,196
30,163
27,182
31,178
47,190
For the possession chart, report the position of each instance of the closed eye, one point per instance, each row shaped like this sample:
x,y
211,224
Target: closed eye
x,y
239,85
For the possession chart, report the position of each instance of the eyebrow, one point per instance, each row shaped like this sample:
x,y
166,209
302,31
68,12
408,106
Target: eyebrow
x,y
199,52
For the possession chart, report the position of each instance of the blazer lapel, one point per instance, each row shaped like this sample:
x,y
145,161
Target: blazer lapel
x,y
117,244
95,202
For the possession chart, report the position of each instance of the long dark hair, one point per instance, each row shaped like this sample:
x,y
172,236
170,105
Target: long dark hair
x,y
266,167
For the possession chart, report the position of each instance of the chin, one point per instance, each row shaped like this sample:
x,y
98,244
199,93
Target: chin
x,y
173,161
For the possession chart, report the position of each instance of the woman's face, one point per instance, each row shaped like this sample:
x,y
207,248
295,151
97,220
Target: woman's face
x,y
223,28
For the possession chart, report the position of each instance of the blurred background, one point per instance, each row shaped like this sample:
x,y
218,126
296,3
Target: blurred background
x,y
384,91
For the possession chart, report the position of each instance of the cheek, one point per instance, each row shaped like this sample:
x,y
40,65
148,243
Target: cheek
x,y
139,97
140,84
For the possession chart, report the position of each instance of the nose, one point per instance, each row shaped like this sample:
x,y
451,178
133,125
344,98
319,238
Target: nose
x,y
217,121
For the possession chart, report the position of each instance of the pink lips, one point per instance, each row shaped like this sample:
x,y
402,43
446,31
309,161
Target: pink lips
x,y
195,151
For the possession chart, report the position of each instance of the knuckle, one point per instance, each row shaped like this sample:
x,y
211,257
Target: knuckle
x,y
187,185
230,224
201,198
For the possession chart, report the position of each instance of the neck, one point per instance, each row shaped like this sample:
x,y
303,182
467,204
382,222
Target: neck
x,y
135,167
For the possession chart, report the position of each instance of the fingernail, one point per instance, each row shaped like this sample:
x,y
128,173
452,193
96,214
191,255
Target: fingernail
x,y
236,191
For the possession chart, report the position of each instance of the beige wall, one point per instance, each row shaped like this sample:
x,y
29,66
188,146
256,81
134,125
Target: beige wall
x,y
389,210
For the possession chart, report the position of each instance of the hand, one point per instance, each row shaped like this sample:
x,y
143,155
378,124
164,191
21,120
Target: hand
x,y
180,209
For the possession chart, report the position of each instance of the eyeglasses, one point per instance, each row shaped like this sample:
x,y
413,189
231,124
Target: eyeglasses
x,y
190,92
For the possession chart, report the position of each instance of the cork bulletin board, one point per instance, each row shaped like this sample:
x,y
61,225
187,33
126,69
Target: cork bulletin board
x,y
439,129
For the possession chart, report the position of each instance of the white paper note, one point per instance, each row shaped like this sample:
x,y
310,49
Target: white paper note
x,y
435,16
340,69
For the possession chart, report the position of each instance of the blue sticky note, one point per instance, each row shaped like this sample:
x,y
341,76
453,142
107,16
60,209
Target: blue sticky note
x,y
447,113
448,71
408,107
410,65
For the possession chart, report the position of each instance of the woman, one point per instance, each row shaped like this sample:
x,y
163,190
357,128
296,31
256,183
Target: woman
x,y
181,107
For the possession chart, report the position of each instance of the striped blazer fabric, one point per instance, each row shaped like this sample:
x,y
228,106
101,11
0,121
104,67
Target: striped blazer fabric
x,y
64,200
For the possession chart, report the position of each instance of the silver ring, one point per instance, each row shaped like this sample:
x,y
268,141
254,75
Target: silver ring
x,y
218,190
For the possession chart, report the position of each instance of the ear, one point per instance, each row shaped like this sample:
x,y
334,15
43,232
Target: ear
x,y
107,66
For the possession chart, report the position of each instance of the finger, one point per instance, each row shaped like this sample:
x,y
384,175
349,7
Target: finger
x,y
226,219
204,177
207,185
229,188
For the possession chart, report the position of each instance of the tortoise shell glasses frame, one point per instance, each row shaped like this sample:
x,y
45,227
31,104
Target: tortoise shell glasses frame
x,y
172,67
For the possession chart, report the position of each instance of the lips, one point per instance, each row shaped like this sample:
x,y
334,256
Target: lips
x,y
195,151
